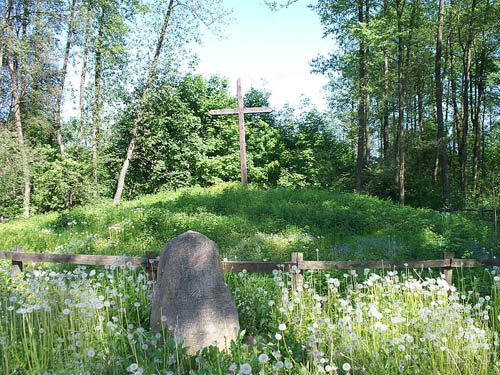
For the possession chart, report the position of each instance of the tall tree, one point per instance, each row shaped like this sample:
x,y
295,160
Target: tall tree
x,y
441,137
14,72
83,74
60,90
205,11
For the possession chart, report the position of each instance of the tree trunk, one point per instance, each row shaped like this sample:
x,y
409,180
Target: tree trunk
x,y
138,119
361,106
367,92
60,89
385,129
464,128
441,136
13,70
97,98
476,120
83,75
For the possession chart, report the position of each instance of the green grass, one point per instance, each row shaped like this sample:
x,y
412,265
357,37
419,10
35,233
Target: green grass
x,y
94,320
255,224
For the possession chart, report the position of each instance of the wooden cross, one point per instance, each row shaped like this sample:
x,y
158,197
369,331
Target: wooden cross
x,y
241,119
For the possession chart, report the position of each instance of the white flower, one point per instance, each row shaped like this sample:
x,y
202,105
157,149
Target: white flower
x,y
245,369
90,353
133,367
282,327
65,311
278,336
163,318
263,358
346,367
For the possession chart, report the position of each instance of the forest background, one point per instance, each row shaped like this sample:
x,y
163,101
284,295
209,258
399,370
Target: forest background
x,y
413,112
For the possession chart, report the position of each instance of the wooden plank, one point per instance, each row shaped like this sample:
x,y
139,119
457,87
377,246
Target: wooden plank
x,y
448,271
348,265
467,263
262,267
91,260
233,111
257,110
17,266
241,129
230,111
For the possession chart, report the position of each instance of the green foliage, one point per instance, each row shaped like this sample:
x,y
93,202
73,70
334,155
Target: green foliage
x,y
60,183
10,173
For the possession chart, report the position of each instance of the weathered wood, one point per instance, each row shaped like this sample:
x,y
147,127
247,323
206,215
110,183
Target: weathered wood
x,y
382,264
17,266
468,263
93,260
240,111
233,111
448,271
297,277
151,265
262,267
241,129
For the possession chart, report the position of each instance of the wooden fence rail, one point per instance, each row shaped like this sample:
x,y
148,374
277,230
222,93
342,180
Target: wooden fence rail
x,y
150,262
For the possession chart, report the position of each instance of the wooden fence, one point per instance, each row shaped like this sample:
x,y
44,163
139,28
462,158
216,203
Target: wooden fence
x,y
150,262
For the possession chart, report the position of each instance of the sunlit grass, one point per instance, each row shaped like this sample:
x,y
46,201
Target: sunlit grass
x,y
256,224
95,321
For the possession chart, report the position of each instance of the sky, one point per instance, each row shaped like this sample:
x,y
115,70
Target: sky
x,y
269,50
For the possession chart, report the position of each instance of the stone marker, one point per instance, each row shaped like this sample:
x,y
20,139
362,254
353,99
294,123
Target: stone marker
x,y
191,294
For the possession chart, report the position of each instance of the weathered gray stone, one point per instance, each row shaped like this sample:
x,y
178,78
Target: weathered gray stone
x,y
191,294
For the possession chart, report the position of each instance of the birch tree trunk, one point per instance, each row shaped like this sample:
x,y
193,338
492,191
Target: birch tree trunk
x,y
97,99
83,74
441,136
13,70
138,119
60,89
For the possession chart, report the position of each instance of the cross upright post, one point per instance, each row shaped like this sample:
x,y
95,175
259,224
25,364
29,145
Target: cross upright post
x,y
241,120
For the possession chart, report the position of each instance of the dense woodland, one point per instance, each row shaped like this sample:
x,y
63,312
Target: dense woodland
x,y
413,95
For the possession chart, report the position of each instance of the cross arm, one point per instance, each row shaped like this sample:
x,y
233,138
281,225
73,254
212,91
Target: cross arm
x,y
233,111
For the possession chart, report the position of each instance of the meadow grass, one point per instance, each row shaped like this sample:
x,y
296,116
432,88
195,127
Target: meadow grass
x,y
256,224
95,321
84,320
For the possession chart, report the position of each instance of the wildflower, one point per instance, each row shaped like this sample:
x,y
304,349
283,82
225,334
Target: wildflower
x,y
133,367
346,367
263,358
282,327
278,336
245,369
90,353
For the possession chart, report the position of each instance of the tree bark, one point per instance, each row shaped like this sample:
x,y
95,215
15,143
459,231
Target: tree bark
x,y
464,128
361,106
13,70
60,89
476,120
138,119
385,129
441,136
83,74
97,98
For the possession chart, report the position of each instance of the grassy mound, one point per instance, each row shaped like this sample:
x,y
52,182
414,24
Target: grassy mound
x,y
255,224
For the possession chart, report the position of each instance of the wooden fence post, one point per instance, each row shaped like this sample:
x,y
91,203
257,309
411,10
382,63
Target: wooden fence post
x,y
151,267
17,266
448,271
297,277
